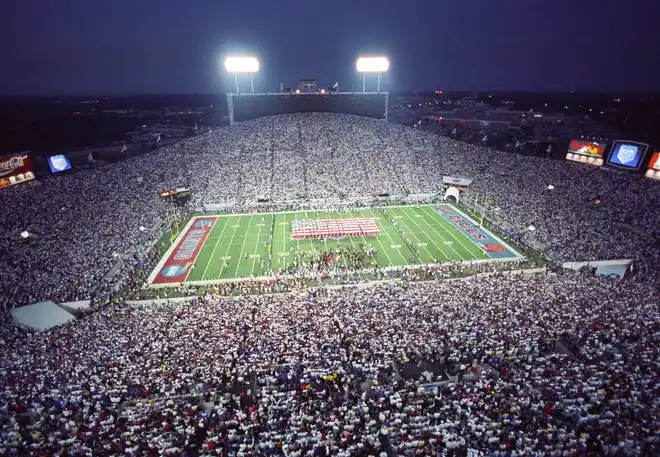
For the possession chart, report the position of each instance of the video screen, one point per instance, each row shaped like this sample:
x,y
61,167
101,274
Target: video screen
x,y
59,163
587,148
627,154
589,152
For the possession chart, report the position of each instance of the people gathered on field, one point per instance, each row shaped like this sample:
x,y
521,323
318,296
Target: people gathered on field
x,y
557,364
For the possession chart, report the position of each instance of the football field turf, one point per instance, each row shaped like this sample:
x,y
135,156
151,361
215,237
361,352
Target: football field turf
x,y
225,247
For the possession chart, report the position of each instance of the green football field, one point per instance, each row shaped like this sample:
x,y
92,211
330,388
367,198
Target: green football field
x,y
225,247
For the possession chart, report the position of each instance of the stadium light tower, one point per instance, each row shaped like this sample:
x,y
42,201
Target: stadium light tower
x,y
238,65
372,65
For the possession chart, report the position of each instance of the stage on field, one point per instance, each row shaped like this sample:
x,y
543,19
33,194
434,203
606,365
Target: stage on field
x,y
212,249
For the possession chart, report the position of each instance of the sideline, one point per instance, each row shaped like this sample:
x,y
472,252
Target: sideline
x,y
352,285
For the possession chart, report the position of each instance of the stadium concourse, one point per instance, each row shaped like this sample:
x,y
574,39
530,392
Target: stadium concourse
x,y
550,365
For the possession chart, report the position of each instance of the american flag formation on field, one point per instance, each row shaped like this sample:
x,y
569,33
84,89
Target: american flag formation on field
x,y
333,228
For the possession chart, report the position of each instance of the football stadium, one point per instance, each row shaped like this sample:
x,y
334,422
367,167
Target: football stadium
x,y
314,280
242,246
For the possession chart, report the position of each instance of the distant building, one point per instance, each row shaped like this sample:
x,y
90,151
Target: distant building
x,y
308,85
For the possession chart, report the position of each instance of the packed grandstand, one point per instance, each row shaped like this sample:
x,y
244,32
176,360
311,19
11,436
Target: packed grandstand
x,y
560,363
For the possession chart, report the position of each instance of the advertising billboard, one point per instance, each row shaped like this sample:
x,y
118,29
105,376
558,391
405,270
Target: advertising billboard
x,y
627,154
590,152
15,169
654,167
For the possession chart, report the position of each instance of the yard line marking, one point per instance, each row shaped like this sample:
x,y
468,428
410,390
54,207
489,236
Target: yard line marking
x,y
383,246
443,238
393,242
220,213
298,241
468,249
515,255
325,242
222,269
284,247
215,246
433,259
437,232
424,245
367,243
451,234
473,247
240,257
398,251
344,260
257,247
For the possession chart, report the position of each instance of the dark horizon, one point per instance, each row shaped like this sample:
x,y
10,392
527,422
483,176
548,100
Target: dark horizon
x,y
400,92
76,48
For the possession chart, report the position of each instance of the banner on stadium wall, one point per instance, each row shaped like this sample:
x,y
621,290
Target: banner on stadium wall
x,y
653,171
15,169
587,148
589,152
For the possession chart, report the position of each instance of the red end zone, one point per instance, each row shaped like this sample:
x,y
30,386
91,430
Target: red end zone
x,y
181,259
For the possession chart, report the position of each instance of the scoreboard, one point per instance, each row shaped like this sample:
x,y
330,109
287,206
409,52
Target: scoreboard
x,y
16,179
628,155
589,152
167,193
15,169
178,192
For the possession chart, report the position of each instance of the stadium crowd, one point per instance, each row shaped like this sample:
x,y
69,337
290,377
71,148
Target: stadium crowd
x,y
86,221
545,365
506,366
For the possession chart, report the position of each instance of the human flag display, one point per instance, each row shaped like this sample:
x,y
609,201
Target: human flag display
x,y
333,228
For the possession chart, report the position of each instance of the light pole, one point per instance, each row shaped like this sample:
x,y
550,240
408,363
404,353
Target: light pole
x,y
376,65
238,65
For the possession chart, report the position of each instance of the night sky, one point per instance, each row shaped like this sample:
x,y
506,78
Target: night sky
x,y
91,47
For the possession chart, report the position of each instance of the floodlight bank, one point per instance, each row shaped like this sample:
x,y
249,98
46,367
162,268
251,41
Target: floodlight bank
x,y
242,64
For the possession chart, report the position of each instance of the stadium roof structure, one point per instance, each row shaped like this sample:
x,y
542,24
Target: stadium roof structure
x,y
41,316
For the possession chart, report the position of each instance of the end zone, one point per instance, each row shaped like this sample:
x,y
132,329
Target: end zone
x,y
179,259
490,244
